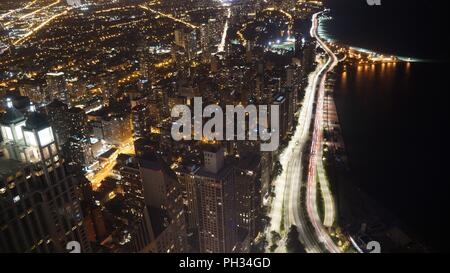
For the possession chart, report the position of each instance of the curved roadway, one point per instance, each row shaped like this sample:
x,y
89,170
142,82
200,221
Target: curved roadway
x,y
287,202
316,146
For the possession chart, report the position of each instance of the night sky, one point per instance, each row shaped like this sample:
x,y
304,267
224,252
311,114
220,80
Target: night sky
x,y
405,27
394,141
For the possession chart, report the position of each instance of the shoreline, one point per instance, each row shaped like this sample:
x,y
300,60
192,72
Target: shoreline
x,y
350,197
356,207
329,38
357,211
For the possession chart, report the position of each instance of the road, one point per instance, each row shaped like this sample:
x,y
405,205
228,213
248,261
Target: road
x,y
39,10
293,203
40,26
96,180
221,47
17,10
286,206
316,147
286,203
169,16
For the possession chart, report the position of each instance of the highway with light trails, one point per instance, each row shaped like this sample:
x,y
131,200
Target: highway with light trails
x,y
316,147
287,203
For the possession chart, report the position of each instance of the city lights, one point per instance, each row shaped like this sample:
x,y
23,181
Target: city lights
x,y
205,126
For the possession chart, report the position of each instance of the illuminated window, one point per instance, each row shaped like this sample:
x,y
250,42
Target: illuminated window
x,y
7,133
45,136
30,139
16,199
18,129
46,153
33,155
53,149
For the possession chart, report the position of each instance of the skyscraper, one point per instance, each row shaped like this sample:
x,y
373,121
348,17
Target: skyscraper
x,y
248,201
77,122
57,115
163,226
56,87
39,204
216,203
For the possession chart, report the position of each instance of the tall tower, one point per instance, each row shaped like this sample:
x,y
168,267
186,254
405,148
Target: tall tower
x,y
39,203
216,203
57,115
56,87
163,226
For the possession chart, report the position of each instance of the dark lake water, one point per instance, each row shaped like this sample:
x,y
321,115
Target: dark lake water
x,y
395,118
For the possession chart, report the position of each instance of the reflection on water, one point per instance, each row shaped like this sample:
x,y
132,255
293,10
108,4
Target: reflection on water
x,y
344,79
407,68
392,118
374,78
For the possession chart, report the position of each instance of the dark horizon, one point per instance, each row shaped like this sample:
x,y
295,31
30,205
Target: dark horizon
x,y
403,27
387,138
139,126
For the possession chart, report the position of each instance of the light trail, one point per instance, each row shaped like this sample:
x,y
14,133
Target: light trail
x,y
34,12
221,47
296,214
39,10
288,185
40,26
329,124
168,16
279,10
316,146
330,210
17,10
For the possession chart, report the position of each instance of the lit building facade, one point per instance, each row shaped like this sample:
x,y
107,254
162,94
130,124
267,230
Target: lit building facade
x,y
39,201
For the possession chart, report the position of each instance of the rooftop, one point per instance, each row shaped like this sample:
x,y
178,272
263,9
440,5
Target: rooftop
x,y
108,153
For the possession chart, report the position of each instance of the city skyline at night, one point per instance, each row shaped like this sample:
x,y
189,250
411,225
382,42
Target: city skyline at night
x,y
218,126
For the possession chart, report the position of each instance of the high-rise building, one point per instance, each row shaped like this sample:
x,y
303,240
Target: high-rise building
x,y
33,90
187,39
163,225
247,174
281,100
187,179
39,201
77,122
109,86
290,95
140,119
131,182
57,115
114,128
78,150
56,87
215,186
308,55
